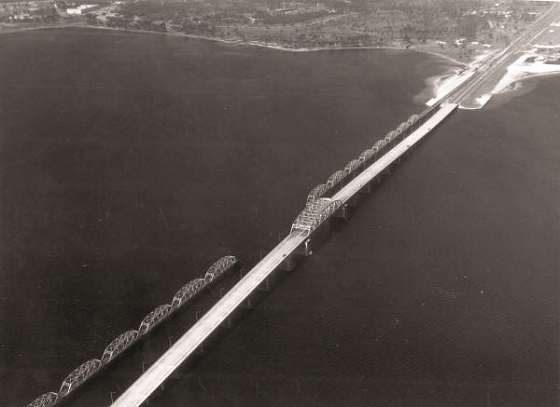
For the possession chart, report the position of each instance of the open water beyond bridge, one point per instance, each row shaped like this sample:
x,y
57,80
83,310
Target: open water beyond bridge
x,y
318,211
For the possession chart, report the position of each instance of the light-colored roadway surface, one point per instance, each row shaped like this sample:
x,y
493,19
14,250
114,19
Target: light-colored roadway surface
x,y
140,390
495,68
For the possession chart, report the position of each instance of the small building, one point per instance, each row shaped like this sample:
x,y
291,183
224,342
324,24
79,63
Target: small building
x,y
82,9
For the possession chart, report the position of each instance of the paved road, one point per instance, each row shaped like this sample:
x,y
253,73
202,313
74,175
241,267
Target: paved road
x,y
494,68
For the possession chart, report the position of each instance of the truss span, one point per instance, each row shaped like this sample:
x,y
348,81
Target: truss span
x,y
379,144
151,320
315,212
412,119
368,154
336,178
402,127
353,166
318,192
79,376
118,345
187,292
44,400
221,266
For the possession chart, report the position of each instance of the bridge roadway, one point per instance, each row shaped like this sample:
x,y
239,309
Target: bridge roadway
x,y
154,376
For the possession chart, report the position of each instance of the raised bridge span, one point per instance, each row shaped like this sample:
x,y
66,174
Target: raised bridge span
x,y
318,210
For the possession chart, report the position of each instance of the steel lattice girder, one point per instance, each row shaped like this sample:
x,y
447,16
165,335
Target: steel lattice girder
x,y
412,119
79,375
44,400
402,127
318,192
154,318
219,267
336,178
367,154
352,166
187,291
118,345
314,213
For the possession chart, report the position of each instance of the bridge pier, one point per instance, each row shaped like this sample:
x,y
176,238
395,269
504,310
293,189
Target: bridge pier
x,y
304,249
248,304
290,261
265,286
366,190
288,264
354,201
342,212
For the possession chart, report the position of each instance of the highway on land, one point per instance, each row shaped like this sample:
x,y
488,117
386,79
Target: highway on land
x,y
498,63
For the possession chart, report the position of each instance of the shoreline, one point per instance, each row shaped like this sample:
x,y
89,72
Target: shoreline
x,y
519,72
433,84
275,46
436,86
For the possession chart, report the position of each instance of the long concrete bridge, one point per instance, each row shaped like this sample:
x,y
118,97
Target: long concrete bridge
x,y
318,211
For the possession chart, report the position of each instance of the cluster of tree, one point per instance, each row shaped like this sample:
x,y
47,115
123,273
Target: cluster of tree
x,y
26,15
267,18
358,22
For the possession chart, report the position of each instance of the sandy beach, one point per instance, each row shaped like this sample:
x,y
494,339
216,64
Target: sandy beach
x,y
521,69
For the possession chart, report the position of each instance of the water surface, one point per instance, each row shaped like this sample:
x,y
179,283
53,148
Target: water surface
x,y
130,162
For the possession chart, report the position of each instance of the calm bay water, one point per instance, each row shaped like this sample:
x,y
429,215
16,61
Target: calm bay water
x,y
131,162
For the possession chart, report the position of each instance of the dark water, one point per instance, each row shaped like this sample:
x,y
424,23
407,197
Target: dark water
x,y
130,162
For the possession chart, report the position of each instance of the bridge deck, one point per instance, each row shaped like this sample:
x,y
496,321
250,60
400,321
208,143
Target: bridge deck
x,y
140,390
